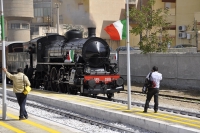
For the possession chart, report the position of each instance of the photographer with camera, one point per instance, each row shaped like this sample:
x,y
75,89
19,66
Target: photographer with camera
x,y
153,86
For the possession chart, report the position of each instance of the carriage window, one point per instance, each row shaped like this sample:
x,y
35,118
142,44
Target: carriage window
x,y
15,47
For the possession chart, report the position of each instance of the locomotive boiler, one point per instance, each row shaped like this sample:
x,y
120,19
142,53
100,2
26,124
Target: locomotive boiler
x,y
73,64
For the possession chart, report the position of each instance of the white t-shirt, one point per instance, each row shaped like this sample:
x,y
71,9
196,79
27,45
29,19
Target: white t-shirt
x,y
155,77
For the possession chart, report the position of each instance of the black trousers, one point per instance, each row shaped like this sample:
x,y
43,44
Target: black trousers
x,y
21,99
152,92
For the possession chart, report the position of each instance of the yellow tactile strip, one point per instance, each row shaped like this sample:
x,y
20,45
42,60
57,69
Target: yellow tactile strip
x,y
29,122
11,127
167,117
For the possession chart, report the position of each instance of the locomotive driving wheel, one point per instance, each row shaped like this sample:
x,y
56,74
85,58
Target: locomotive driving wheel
x,y
54,79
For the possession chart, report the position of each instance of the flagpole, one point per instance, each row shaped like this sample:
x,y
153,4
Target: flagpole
x,y
128,56
4,104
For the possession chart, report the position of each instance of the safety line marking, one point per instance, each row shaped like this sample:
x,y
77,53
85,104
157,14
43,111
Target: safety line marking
x,y
123,108
156,115
33,123
171,120
179,118
11,127
171,116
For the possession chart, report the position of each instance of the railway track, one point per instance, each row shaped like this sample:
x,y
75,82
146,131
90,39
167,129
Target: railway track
x,y
178,98
75,116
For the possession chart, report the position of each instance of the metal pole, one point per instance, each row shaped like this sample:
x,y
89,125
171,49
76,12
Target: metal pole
x,y
4,109
51,16
140,10
57,6
48,19
196,31
128,56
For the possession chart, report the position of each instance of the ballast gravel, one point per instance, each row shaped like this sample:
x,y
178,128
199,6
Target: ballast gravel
x,y
74,123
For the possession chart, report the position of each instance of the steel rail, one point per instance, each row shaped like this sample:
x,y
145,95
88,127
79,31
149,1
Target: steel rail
x,y
192,100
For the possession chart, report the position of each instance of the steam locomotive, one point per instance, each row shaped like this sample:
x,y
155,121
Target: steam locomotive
x,y
68,64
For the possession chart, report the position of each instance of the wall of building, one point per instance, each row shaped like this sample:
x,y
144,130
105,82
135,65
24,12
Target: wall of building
x,y
178,70
19,35
89,13
185,14
74,12
18,13
18,8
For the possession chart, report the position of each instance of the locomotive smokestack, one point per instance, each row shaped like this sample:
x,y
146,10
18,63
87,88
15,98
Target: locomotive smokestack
x,y
91,32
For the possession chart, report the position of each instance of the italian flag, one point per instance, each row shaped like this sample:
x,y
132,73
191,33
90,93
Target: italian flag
x,y
117,30
71,56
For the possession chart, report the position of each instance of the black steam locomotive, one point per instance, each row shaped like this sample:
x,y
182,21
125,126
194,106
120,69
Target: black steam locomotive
x,y
68,64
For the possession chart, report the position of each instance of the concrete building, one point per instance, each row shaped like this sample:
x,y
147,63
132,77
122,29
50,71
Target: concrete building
x,y
27,19
184,16
18,15
91,13
42,18
88,13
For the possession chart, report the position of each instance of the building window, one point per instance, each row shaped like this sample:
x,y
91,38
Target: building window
x,y
168,5
25,26
15,26
42,9
38,12
18,26
47,11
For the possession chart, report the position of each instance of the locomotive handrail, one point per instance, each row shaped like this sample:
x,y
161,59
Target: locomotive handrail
x,y
53,57
117,60
66,63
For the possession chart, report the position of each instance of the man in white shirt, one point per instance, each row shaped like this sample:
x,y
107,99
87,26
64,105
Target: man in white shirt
x,y
153,90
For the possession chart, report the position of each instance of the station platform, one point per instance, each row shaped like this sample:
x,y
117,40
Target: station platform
x,y
164,122
33,124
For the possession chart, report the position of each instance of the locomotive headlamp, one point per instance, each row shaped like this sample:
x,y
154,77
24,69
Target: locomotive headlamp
x,y
119,81
92,83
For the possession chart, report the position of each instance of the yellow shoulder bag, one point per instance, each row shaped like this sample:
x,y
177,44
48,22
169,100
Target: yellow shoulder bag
x,y
27,89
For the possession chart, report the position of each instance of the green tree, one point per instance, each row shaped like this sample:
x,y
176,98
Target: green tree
x,y
152,26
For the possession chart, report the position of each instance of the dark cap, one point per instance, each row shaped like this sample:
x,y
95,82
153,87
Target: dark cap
x,y
19,69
